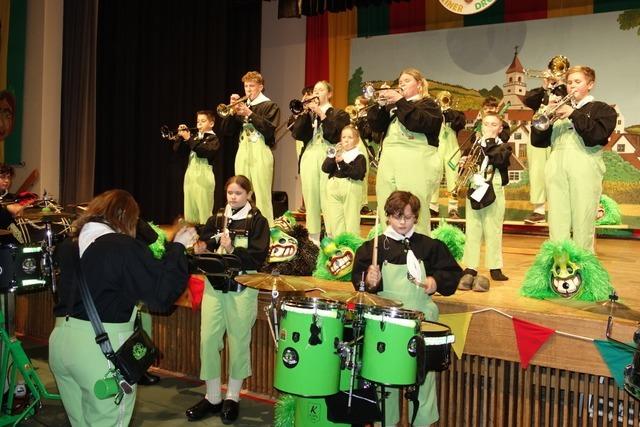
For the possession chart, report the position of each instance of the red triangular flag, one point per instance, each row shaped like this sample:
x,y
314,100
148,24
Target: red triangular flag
x,y
529,337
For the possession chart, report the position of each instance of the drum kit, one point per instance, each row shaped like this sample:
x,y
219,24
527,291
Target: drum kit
x,y
347,343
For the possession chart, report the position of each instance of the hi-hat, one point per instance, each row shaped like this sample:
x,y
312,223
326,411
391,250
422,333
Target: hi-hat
x,y
361,298
270,282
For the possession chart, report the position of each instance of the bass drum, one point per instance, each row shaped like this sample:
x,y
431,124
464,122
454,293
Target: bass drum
x,y
30,231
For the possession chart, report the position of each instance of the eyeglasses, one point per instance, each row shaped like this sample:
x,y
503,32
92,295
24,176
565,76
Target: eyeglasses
x,y
405,218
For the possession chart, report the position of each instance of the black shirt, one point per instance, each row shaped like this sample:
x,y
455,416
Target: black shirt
x,y
120,272
356,169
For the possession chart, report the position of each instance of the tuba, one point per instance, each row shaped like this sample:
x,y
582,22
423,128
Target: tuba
x,y
471,165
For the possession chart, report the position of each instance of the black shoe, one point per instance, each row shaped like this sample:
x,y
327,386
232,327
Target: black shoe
x,y
434,213
535,218
149,379
470,271
230,411
453,214
366,210
202,409
496,274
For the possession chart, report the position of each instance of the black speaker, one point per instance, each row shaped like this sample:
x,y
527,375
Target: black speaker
x,y
280,202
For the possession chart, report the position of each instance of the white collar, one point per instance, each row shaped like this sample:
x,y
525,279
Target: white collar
x,y
90,232
393,234
350,156
415,97
326,107
259,100
587,99
241,214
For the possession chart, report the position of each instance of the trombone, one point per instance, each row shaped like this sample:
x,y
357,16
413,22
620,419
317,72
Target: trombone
x,y
225,110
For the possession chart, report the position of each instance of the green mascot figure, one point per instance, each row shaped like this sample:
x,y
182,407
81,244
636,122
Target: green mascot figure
x,y
563,270
291,252
335,261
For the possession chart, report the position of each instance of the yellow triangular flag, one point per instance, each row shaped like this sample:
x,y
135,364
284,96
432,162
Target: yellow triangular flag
x,y
459,324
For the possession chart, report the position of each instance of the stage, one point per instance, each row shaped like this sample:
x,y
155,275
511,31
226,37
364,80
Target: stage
x,y
566,377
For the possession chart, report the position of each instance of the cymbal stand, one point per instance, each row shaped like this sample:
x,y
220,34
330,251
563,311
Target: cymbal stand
x,y
272,310
47,254
613,300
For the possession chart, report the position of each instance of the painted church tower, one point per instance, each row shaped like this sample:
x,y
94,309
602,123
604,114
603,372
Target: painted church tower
x,y
515,86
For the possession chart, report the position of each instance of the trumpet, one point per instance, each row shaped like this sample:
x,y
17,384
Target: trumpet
x,y
298,107
225,110
371,93
556,70
544,117
444,100
172,134
335,150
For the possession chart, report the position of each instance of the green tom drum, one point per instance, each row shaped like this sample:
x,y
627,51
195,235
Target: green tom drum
x,y
307,363
389,355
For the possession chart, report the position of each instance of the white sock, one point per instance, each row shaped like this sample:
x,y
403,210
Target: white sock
x,y
315,238
453,205
434,207
214,395
539,208
233,389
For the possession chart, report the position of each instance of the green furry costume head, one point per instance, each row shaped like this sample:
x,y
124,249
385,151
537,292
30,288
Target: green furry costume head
x,y
291,252
451,236
157,248
336,257
608,212
562,270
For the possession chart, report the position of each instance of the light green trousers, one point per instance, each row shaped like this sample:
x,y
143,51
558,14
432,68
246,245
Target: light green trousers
x,y
447,150
344,200
199,185
314,182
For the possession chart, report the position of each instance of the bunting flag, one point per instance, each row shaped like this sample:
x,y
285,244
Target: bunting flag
x,y
616,356
529,337
459,324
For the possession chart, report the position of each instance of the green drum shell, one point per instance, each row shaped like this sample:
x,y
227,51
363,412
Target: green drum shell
x,y
385,356
317,372
313,412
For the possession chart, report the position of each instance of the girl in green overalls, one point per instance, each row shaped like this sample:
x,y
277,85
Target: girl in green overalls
x,y
319,128
412,267
227,305
409,159
575,168
346,168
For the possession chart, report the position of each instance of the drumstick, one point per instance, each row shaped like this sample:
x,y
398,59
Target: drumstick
x,y
374,256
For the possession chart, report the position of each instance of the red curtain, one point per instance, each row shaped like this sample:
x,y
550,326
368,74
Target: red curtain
x,y
317,49
523,10
407,17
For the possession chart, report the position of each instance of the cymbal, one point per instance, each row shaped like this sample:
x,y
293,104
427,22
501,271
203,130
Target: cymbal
x,y
39,215
361,298
269,282
620,311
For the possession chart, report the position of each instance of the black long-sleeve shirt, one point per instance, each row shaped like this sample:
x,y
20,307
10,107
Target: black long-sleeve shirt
x,y
335,120
594,122
204,147
120,272
438,261
422,116
254,255
499,156
355,169
265,118
455,119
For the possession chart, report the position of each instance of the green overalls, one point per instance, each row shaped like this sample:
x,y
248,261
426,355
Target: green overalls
x,y
77,363
398,287
314,181
574,174
199,185
536,164
365,180
255,161
235,313
485,222
408,163
447,149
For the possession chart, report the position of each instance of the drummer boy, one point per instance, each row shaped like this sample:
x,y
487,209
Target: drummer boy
x,y
410,268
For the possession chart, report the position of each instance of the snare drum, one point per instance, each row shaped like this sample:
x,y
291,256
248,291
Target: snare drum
x,y
307,363
389,355
437,341
21,268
